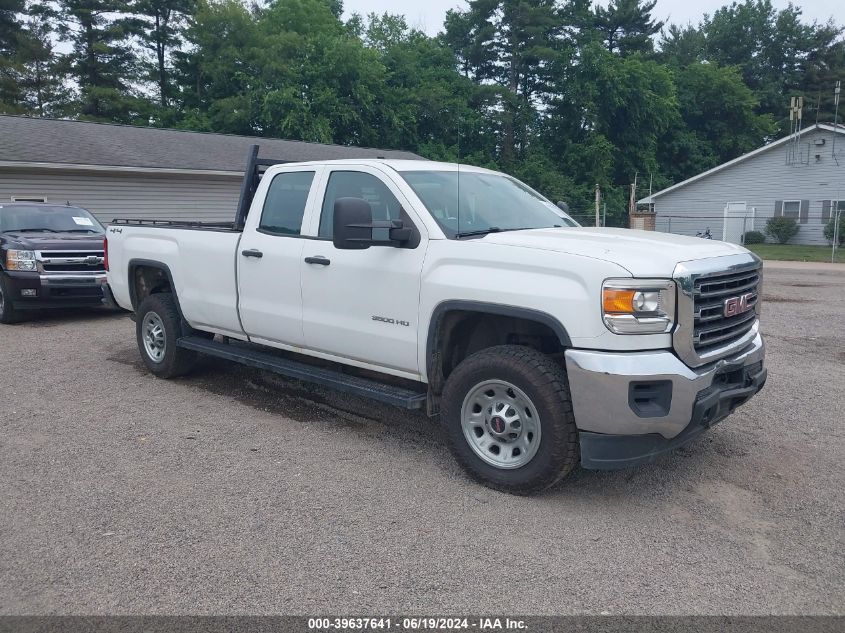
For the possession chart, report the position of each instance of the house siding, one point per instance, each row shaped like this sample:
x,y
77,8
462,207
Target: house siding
x,y
762,182
123,195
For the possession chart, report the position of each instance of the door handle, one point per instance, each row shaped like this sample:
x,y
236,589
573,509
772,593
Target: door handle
x,y
319,259
252,252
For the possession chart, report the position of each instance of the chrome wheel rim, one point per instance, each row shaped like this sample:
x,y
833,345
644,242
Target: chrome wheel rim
x,y
152,333
501,424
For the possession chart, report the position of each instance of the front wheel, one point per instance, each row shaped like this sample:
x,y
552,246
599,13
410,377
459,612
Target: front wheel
x,y
157,327
8,314
509,419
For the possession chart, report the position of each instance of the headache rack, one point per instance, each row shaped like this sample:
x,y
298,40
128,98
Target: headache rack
x,y
255,168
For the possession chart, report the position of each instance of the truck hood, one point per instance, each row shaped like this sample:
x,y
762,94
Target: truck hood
x,y
642,253
55,241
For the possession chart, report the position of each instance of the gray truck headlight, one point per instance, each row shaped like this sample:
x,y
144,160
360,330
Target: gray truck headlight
x,y
638,306
20,260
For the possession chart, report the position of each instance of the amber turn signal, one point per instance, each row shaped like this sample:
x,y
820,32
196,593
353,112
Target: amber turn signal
x,y
615,301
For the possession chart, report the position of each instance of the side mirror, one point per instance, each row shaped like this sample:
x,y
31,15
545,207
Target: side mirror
x,y
563,206
354,225
352,217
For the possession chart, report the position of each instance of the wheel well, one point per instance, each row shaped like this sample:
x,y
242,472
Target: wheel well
x,y
458,334
147,280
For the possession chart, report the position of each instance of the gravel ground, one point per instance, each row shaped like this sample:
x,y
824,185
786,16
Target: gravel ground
x,y
233,491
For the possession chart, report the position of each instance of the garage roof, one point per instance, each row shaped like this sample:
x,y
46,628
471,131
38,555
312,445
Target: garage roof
x,y
63,142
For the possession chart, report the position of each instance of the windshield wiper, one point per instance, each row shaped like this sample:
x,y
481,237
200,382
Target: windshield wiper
x,y
80,231
492,229
30,231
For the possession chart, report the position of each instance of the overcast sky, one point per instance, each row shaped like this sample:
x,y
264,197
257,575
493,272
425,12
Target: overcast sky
x,y
427,15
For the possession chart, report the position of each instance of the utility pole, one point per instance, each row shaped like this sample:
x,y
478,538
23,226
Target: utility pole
x,y
598,203
632,204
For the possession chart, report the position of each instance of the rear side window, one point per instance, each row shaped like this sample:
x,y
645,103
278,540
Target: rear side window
x,y
284,205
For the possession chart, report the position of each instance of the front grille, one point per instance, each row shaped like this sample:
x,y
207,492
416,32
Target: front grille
x,y
72,261
711,328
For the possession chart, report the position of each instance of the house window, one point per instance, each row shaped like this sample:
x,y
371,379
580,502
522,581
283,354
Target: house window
x,y
791,209
829,209
29,199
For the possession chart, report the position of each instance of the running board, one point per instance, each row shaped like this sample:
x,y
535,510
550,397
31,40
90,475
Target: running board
x,y
397,396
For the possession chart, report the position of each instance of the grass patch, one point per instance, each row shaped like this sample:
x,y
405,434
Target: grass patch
x,y
796,253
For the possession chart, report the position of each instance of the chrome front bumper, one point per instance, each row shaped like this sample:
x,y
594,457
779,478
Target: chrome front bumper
x,y
654,394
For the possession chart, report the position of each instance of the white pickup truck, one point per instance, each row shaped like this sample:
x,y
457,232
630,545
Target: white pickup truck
x,y
541,344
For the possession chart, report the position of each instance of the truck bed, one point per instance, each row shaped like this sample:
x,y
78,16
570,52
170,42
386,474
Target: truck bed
x,y
177,224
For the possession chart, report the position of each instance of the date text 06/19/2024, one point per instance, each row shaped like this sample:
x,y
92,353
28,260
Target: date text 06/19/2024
x,y
415,624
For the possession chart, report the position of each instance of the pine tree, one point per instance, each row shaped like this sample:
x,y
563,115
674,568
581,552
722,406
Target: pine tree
x,y
626,26
160,29
102,60
42,85
10,41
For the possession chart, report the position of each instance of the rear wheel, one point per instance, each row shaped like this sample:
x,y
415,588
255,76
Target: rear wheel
x,y
157,327
509,418
8,314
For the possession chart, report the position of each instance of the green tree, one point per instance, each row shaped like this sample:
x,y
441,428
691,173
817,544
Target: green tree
x,y
777,53
718,121
41,80
160,27
10,41
512,44
627,26
101,61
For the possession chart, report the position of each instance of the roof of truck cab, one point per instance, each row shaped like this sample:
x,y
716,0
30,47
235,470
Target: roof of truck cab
x,y
27,141
400,165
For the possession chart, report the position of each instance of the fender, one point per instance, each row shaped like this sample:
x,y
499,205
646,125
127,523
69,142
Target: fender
x,y
134,263
528,314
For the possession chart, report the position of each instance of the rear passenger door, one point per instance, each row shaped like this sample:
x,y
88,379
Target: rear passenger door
x,y
269,257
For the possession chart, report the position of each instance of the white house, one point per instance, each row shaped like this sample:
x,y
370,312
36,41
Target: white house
x,y
800,176
119,171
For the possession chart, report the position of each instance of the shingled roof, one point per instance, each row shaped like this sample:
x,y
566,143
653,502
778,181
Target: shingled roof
x,y
30,140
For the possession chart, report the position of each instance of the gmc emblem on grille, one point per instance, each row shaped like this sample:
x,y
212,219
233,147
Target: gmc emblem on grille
x,y
738,305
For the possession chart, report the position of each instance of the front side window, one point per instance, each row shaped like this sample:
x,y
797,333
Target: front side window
x,y
23,218
475,202
284,206
357,184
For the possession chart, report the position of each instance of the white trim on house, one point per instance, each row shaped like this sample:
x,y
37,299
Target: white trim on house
x,y
739,159
120,168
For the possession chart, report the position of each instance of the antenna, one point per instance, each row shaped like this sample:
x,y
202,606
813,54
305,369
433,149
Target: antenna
x,y
458,178
836,92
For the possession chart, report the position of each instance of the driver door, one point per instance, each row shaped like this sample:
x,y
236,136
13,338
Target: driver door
x,y
363,305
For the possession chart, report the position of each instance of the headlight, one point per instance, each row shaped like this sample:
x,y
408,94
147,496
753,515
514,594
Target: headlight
x,y
638,306
20,260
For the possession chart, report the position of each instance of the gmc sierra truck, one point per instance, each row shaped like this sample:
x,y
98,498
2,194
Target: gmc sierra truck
x,y
51,256
541,344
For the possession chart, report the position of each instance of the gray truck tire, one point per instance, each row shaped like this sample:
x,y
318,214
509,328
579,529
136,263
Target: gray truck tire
x,y
157,327
508,416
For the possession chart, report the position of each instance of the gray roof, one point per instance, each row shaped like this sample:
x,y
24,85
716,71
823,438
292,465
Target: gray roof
x,y
31,140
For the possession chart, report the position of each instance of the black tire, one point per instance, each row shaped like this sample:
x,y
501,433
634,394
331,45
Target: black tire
x,y
174,361
544,382
8,314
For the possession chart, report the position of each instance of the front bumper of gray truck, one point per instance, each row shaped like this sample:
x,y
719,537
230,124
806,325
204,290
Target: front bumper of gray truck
x,y
632,407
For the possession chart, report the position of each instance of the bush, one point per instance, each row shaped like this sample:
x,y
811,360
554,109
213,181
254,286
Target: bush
x,y
754,237
782,229
840,236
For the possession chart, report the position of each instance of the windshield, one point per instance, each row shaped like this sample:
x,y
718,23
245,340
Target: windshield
x,y
484,203
21,218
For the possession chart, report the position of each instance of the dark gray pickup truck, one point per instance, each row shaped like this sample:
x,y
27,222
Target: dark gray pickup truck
x,y
51,256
